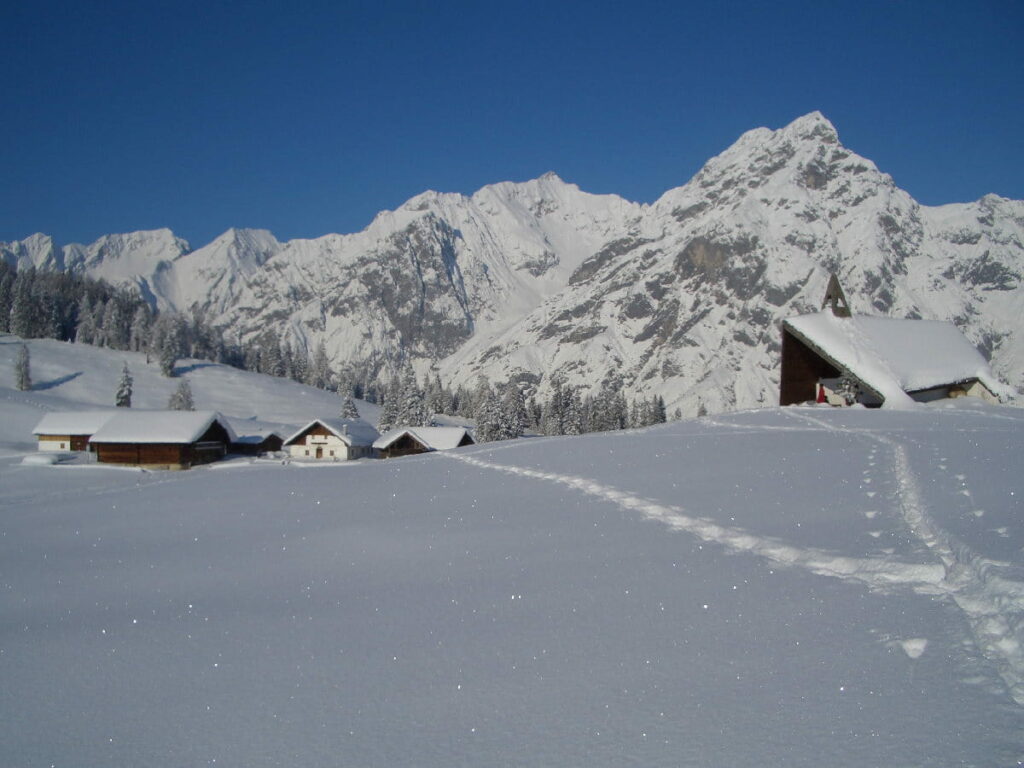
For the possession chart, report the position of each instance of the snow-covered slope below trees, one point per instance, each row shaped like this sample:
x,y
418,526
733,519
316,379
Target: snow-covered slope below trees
x,y
798,586
69,376
539,280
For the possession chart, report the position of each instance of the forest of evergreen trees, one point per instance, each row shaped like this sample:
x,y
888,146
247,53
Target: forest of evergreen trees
x,y
56,305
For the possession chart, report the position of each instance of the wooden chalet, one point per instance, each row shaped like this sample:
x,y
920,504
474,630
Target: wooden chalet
x,y
408,441
333,440
840,358
69,430
256,443
163,439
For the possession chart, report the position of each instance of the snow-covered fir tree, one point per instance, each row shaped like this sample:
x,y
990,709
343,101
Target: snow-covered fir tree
x,y
85,331
319,373
514,419
23,370
348,407
489,419
6,293
24,309
412,408
389,409
181,399
573,417
123,398
138,334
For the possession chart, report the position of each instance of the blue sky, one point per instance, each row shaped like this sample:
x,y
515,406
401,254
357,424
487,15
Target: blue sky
x,y
308,117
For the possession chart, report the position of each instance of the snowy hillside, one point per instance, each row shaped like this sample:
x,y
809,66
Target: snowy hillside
x,y
799,587
78,376
682,298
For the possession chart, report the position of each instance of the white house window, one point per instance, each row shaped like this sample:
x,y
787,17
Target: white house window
x,y
307,452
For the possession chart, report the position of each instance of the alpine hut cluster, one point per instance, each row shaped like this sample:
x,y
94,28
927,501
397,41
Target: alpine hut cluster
x,y
183,439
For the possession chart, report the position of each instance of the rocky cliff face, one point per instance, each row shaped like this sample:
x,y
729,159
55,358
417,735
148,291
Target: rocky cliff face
x,y
681,298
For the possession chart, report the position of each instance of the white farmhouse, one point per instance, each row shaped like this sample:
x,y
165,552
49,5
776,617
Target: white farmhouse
x,y
333,440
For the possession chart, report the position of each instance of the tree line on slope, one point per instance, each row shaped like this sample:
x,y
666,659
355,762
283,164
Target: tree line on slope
x,y
58,305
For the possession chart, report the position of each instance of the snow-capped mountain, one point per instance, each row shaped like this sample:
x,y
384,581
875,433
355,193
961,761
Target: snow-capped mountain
x,y
681,298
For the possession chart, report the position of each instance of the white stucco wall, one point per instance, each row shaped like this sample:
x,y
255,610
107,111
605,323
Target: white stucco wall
x,y
306,449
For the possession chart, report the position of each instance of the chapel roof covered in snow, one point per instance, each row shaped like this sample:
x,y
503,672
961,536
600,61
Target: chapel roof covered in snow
x,y
137,426
72,422
432,438
350,431
893,357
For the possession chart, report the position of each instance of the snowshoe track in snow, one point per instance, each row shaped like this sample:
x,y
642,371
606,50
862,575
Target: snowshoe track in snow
x,y
989,593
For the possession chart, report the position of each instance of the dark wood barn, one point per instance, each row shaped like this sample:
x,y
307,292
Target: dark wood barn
x,y
415,440
257,443
163,439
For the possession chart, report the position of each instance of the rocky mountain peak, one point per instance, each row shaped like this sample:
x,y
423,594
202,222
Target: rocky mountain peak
x,y
537,279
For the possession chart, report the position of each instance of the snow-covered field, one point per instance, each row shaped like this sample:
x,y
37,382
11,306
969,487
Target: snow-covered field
x,y
786,587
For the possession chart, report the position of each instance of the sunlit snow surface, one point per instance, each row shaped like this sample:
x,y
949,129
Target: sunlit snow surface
x,y
798,587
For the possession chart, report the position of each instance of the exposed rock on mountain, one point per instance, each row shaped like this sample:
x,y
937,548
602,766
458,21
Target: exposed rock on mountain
x,y
681,298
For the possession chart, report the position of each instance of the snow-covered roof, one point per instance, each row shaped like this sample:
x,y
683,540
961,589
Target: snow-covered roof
x,y
72,422
137,426
893,356
434,438
255,437
349,431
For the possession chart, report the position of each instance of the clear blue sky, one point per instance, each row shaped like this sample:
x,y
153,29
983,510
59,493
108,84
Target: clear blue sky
x,y
308,117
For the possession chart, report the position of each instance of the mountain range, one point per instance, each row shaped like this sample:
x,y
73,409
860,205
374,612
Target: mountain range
x,y
681,298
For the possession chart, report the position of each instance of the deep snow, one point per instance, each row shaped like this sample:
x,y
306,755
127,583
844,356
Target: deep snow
x,y
800,586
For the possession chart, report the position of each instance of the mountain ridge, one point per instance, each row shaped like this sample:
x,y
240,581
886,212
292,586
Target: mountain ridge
x,y
530,280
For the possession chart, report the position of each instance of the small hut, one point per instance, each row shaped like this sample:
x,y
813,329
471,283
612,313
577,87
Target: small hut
x,y
69,430
162,439
837,357
333,440
408,441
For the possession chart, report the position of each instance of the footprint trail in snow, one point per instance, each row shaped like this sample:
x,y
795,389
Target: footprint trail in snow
x,y
990,594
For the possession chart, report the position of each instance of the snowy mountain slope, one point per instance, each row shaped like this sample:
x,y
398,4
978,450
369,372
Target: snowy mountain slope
x,y
689,305
681,298
799,586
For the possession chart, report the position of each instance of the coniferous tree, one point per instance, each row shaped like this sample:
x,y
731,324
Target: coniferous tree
x,y
138,333
412,410
181,399
658,414
24,310
348,408
6,295
553,412
168,356
514,418
85,331
488,419
389,410
123,398
22,370
572,422
114,335
319,374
